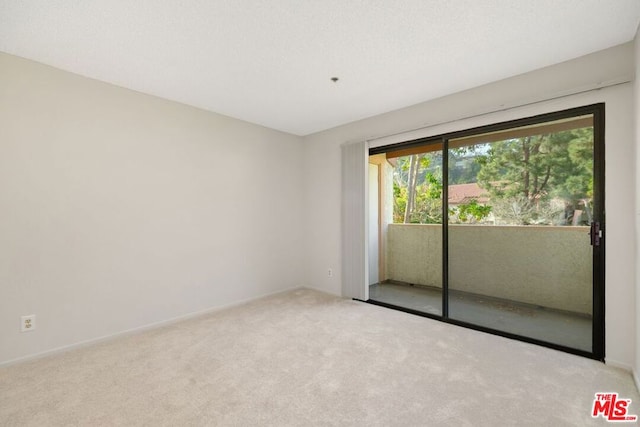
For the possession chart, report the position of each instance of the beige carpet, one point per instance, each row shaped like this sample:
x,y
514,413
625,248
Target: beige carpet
x,y
306,358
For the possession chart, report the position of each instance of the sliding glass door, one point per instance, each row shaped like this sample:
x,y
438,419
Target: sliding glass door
x,y
412,229
500,228
520,255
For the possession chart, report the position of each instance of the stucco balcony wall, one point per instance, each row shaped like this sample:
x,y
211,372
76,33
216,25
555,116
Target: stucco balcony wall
x,y
540,265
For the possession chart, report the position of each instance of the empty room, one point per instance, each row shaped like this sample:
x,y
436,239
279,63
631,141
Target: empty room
x,y
349,213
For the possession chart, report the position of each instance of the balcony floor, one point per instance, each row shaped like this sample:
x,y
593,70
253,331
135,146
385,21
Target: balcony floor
x,y
558,327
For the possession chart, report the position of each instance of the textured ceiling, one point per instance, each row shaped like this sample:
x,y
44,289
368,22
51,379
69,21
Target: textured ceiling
x,y
270,61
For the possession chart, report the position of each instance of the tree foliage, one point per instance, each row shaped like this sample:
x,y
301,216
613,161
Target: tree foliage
x,y
540,179
463,167
417,188
537,179
470,212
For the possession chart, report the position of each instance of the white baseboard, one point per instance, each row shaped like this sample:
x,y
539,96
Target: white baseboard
x,y
322,290
620,365
139,329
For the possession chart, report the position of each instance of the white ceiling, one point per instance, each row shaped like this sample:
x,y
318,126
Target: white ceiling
x,y
270,61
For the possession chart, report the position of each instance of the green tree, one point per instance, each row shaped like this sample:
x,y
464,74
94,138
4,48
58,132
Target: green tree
x,y
463,167
470,212
417,188
526,175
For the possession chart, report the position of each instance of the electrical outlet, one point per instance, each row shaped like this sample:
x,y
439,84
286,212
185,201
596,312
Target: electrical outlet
x,y
28,323
330,272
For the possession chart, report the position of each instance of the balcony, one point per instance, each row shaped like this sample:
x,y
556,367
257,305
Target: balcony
x,y
534,281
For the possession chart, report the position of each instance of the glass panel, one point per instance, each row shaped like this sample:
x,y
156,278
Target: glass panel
x,y
520,204
411,229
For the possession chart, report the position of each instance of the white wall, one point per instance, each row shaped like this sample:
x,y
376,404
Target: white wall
x,y
541,91
119,210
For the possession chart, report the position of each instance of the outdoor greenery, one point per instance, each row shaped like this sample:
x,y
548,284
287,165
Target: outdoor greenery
x,y
471,211
417,189
539,179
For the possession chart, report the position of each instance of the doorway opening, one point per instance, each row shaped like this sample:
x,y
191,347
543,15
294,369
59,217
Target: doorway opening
x,y
498,228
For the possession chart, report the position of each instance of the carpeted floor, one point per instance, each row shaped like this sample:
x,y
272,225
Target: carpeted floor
x,y
554,326
306,358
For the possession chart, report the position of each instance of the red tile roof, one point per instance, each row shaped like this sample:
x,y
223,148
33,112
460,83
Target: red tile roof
x,y
464,193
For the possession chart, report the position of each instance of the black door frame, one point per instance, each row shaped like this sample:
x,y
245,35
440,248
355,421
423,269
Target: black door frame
x,y
598,286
